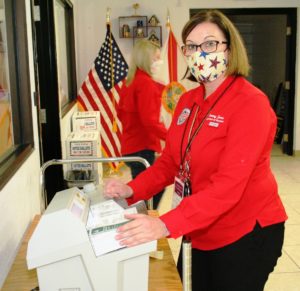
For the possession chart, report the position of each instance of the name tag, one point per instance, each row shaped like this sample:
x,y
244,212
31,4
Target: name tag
x,y
178,192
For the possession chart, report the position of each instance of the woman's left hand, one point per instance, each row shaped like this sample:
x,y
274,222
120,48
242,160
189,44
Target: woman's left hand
x,y
143,228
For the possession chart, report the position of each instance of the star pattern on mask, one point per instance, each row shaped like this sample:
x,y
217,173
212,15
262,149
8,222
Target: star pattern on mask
x,y
203,78
206,67
203,54
214,63
200,67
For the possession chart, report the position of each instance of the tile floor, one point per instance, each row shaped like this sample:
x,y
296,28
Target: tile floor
x,y
286,276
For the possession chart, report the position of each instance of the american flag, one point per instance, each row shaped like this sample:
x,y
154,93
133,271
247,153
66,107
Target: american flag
x,y
100,92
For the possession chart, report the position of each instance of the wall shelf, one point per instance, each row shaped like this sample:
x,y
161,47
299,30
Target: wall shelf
x,y
136,27
130,26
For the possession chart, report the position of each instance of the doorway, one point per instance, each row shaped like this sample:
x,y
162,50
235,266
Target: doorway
x,y
270,40
55,72
47,93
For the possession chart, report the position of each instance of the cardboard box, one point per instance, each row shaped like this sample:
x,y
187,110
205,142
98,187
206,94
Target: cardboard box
x,y
84,144
86,121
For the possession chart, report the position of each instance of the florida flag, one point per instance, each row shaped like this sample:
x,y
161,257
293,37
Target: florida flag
x,y
171,75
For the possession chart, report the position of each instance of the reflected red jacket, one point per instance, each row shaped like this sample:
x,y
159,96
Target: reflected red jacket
x,y
231,179
139,112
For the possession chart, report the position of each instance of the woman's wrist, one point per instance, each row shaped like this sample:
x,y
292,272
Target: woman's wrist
x,y
166,231
129,192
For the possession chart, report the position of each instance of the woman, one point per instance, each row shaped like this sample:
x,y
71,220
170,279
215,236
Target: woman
x,y
218,149
139,109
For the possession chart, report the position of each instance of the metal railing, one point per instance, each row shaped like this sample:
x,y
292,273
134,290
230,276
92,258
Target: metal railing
x,y
49,163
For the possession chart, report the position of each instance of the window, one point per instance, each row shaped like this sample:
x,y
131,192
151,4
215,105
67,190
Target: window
x,y
16,134
6,130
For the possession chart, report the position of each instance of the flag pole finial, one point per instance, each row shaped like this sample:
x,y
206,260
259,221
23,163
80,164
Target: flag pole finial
x,y
168,18
108,15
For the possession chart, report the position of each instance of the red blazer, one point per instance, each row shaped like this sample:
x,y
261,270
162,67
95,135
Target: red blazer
x,y
139,113
231,179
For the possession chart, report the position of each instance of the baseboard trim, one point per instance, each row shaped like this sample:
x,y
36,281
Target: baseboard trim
x,y
297,153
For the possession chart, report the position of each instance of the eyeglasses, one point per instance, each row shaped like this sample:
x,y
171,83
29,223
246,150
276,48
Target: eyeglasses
x,y
207,47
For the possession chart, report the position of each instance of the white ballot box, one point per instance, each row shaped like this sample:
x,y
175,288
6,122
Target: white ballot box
x,y
84,144
86,121
65,251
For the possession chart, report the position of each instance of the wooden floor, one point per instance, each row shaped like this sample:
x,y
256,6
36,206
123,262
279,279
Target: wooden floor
x,y
19,277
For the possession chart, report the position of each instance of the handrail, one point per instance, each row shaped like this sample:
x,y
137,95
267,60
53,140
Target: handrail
x,y
84,160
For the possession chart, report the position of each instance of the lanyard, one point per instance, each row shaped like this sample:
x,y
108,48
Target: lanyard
x,y
191,137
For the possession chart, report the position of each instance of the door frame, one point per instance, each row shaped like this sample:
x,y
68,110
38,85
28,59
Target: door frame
x,y
47,96
290,71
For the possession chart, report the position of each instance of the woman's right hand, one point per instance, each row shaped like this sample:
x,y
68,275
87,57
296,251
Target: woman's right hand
x,y
114,188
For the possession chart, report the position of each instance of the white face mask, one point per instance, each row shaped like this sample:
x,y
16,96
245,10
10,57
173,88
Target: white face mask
x,y
206,67
155,66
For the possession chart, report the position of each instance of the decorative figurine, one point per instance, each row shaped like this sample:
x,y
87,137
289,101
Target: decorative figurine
x,y
153,37
126,30
153,21
139,23
140,31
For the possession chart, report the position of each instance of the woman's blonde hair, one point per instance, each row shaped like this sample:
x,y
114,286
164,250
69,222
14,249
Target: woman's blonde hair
x,y
238,63
141,58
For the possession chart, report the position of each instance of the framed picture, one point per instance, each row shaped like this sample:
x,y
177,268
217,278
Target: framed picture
x,y
155,34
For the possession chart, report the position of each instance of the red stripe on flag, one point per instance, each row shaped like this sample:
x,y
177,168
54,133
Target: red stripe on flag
x,y
106,108
110,138
100,96
89,96
118,88
111,96
104,123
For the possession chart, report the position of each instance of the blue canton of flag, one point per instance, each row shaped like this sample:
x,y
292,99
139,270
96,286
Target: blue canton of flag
x,y
110,54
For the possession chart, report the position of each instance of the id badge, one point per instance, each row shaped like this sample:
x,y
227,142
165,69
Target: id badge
x,y
178,192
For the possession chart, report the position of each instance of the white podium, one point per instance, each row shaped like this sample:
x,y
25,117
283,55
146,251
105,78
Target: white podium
x,y
61,251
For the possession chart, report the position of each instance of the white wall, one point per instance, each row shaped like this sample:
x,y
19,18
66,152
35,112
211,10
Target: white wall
x,y
90,28
19,199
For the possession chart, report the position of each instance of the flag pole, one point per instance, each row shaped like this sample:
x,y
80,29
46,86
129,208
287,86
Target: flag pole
x,y
171,68
108,24
186,243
